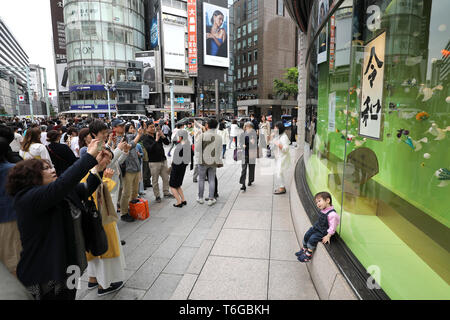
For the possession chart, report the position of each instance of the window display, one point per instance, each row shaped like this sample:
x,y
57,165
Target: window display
x,y
378,123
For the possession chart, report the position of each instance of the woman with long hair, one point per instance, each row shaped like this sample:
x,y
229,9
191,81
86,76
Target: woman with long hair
x,y
264,131
179,167
281,143
216,35
84,139
248,144
49,211
32,148
106,272
61,155
223,132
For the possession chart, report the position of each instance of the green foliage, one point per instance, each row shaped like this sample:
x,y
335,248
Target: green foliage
x,y
289,87
52,111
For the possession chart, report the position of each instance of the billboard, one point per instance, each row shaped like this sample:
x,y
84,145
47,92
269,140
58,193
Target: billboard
x,y
323,36
192,37
154,33
216,26
174,46
148,58
59,44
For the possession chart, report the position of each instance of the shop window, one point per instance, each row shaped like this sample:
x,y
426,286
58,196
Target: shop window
x,y
280,8
384,184
89,95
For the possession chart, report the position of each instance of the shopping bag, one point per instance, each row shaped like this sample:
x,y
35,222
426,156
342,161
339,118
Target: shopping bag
x,y
139,209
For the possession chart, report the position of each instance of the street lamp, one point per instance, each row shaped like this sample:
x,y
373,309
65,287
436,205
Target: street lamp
x,y
108,87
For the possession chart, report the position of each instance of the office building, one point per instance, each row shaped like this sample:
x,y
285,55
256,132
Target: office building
x,y
101,40
264,47
13,82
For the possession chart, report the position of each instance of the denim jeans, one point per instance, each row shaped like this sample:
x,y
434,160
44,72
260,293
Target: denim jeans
x,y
312,237
202,171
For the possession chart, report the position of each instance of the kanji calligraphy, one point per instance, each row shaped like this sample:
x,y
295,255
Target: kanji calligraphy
x,y
370,122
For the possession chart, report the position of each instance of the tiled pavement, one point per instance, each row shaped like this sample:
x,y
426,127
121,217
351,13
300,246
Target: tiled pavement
x,y
240,248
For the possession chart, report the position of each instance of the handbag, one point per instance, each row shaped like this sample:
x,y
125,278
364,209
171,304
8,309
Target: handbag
x,y
95,238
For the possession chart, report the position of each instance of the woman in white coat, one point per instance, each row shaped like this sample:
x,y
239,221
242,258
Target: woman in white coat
x,y
234,133
32,148
280,142
223,132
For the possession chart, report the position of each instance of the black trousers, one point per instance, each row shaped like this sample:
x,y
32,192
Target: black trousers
x,y
146,174
251,175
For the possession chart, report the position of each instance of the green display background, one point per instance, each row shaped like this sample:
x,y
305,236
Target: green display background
x,y
407,270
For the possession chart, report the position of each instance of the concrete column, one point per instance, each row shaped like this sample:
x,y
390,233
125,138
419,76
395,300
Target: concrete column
x,y
303,81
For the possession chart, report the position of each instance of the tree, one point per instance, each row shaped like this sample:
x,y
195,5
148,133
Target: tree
x,y
289,87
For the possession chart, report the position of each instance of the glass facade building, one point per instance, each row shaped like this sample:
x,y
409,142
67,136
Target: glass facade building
x,y
390,188
102,38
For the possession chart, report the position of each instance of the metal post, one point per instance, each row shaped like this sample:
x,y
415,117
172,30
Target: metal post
x,y
46,92
172,108
30,98
17,98
217,101
109,103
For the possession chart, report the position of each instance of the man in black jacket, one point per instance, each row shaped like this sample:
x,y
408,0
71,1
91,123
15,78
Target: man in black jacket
x,y
153,142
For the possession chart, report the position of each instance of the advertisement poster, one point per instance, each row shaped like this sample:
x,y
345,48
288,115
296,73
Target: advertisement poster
x,y
59,44
372,88
323,36
216,38
192,37
154,33
332,112
148,58
174,49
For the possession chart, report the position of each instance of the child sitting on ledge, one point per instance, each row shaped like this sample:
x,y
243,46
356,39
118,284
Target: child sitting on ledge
x,y
322,230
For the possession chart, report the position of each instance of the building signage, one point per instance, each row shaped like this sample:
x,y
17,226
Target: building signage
x,y
192,37
216,39
370,122
59,44
154,33
332,112
148,58
332,41
174,46
323,36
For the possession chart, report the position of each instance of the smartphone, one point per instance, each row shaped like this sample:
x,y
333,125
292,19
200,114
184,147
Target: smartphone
x,y
100,146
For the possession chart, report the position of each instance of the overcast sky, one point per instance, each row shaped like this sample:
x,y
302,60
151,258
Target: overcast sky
x,y
30,23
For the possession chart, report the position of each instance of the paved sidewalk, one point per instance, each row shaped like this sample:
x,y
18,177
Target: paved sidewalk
x,y
240,248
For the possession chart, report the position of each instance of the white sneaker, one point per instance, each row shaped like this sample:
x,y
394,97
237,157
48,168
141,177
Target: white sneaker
x,y
211,202
200,200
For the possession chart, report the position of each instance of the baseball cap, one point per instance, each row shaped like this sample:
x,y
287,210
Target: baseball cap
x,y
117,122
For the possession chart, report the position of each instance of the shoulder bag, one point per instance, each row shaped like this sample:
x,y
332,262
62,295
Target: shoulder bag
x,y
94,235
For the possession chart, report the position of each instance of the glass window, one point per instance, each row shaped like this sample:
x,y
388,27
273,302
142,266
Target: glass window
x,y
100,96
249,57
97,50
238,60
99,75
385,187
249,26
89,95
244,58
244,44
249,83
255,82
255,55
108,50
249,42
107,13
239,45
86,76
110,75
244,72
95,11
255,69
249,70
280,7
239,32
255,25
121,75
239,85
239,74
244,30
255,39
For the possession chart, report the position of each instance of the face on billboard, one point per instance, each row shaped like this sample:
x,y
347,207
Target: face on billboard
x,y
149,61
216,40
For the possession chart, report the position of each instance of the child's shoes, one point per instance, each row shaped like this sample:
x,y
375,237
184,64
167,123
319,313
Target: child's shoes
x,y
305,256
302,250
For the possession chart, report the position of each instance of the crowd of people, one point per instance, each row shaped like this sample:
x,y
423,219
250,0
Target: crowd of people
x,y
53,171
